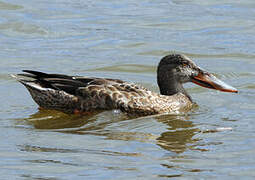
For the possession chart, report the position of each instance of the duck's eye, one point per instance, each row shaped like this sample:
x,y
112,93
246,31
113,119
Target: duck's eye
x,y
185,65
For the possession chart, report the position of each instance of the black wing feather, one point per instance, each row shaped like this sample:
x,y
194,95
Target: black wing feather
x,y
56,81
66,83
39,75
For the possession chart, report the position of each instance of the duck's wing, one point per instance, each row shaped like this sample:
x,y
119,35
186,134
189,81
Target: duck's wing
x,y
68,84
115,94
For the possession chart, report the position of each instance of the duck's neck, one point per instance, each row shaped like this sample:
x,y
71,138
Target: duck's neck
x,y
169,85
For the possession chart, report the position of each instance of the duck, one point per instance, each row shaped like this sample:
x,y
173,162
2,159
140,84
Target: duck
x,y
79,94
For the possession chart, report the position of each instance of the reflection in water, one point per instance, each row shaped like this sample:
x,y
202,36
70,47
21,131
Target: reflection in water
x,y
50,119
77,124
30,148
177,135
177,138
180,134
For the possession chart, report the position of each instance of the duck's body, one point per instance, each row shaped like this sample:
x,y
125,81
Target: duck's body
x,y
74,94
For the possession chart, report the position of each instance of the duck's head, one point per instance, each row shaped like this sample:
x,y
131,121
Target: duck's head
x,y
176,69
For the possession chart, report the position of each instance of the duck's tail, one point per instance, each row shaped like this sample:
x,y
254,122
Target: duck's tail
x,y
29,81
46,97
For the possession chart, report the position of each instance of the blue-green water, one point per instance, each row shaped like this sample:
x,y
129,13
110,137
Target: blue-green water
x,y
126,40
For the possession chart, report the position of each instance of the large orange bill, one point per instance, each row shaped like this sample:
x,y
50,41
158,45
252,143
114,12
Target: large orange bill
x,y
210,81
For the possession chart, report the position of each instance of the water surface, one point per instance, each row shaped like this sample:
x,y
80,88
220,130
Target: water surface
x,y
126,40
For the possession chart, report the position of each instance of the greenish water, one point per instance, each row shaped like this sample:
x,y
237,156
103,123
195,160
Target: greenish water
x,y
126,40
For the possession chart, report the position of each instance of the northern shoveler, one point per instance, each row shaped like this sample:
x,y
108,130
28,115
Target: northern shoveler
x,y
72,94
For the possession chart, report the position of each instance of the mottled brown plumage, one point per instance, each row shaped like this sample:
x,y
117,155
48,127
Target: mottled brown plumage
x,y
84,94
